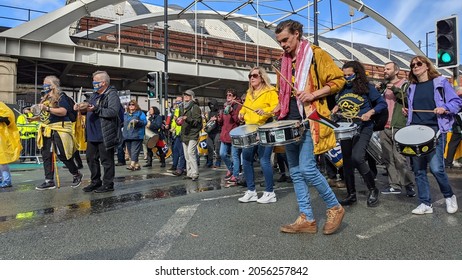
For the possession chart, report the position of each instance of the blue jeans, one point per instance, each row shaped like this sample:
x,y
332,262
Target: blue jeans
x,y
436,161
264,154
232,163
179,161
5,175
304,171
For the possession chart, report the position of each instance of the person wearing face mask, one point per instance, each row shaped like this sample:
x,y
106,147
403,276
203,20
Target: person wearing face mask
x,y
356,101
102,132
213,129
55,134
433,102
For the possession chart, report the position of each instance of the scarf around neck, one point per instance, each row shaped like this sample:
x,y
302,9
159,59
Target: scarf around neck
x,y
302,68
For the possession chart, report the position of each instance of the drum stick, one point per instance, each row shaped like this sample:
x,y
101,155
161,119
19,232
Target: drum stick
x,y
284,78
423,111
247,107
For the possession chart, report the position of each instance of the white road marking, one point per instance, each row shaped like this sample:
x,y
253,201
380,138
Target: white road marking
x,y
159,245
393,223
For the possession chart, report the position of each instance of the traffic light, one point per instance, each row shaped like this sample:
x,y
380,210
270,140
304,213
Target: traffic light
x,y
153,85
447,43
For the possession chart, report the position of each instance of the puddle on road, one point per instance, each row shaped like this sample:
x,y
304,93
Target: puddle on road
x,y
94,206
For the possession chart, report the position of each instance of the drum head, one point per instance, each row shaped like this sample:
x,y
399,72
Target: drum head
x,y
152,141
243,130
414,134
346,126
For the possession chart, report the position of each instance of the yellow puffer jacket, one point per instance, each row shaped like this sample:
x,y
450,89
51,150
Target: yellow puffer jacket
x,y
10,144
328,73
265,99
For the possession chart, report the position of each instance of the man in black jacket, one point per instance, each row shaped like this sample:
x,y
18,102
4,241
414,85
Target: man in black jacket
x,y
102,131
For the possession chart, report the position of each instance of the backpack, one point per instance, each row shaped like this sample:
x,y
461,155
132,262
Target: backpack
x,y
71,113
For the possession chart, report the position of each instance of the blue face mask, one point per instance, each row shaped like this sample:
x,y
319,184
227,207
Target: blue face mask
x,y
46,88
97,86
350,79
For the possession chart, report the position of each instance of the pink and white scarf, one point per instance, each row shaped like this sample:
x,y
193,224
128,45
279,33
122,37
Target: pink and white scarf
x,y
302,66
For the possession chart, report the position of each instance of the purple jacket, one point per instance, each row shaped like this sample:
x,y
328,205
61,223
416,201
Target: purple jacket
x,y
453,102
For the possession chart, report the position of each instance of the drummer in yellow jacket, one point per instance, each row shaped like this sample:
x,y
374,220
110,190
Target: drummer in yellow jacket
x,y
10,144
308,74
261,100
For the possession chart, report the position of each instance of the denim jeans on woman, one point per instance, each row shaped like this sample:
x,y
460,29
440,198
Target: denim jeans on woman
x,y
304,171
264,155
232,163
436,161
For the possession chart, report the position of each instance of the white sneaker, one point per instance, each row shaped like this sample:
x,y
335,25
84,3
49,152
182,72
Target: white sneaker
x,y
423,209
451,204
267,197
249,196
456,164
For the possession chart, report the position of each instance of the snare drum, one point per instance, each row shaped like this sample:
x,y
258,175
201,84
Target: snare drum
x,y
244,136
210,126
374,148
415,140
346,130
280,133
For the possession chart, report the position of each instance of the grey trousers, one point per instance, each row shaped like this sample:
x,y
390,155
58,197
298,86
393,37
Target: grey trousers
x,y
398,166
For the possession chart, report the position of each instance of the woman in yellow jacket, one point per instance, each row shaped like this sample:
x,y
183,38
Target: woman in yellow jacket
x,y
10,144
261,99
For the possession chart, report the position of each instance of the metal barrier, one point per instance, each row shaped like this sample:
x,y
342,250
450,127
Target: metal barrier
x,y
29,146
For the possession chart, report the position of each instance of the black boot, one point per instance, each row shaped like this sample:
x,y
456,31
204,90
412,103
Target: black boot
x,y
373,197
351,198
148,162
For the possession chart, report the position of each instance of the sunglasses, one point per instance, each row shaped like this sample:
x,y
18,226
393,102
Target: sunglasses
x,y
418,63
229,94
131,104
254,76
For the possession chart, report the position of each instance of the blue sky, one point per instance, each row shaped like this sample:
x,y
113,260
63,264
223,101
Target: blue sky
x,y
414,17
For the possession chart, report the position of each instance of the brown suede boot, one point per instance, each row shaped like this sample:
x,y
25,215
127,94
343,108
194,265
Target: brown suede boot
x,y
300,225
334,217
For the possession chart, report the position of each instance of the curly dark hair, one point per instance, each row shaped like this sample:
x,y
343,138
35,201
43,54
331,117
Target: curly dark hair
x,y
360,83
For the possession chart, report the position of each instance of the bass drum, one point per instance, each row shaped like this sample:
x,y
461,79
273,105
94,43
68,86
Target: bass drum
x,y
202,145
162,145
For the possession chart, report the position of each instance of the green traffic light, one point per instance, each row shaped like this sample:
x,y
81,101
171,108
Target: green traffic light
x,y
445,57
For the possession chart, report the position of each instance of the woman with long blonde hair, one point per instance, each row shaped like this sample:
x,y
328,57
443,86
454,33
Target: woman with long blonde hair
x,y
261,99
55,133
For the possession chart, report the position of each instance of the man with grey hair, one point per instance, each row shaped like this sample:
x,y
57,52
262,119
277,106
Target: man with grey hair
x,y
190,120
394,93
103,132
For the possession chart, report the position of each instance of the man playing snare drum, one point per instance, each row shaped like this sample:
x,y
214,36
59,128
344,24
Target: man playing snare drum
x,y
399,173
302,63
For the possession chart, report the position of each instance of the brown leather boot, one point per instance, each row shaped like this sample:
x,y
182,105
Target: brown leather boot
x,y
334,217
300,225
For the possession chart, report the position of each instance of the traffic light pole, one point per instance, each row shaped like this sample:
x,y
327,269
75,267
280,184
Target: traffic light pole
x,y
165,105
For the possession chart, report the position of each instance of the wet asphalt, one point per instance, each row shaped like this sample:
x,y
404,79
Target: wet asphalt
x,y
155,215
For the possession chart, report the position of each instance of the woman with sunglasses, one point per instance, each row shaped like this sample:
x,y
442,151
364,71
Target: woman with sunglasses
x,y
134,123
261,99
359,100
431,92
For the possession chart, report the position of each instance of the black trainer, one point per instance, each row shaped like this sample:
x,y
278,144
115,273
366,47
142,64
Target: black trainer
x,y
77,180
92,187
104,189
47,185
410,191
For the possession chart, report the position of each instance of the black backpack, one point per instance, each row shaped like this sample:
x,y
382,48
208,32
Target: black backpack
x,y
71,113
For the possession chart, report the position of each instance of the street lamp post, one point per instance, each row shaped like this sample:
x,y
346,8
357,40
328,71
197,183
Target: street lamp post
x,y
119,10
245,27
151,29
426,41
